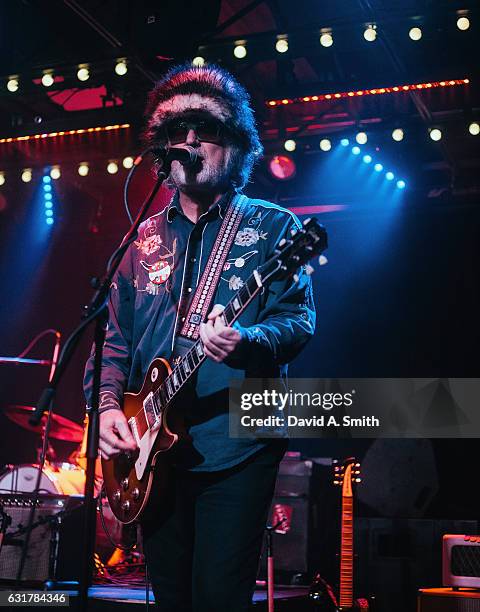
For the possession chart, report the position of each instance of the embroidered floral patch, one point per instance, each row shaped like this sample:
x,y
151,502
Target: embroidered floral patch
x,y
152,289
235,283
248,236
149,245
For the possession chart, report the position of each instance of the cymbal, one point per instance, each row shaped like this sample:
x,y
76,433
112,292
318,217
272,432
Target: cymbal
x,y
61,428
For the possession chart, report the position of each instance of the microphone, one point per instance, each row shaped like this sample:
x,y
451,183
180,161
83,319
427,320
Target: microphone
x,y
186,155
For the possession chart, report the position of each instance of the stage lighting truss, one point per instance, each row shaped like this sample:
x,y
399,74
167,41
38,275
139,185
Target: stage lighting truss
x,y
369,92
104,128
412,26
63,76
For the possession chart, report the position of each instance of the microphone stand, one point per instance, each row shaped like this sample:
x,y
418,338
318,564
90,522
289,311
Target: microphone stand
x,y
95,311
270,566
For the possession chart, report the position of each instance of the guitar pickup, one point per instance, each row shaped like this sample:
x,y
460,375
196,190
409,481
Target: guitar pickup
x,y
153,420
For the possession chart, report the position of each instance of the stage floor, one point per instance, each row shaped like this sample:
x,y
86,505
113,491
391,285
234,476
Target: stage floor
x,y
123,598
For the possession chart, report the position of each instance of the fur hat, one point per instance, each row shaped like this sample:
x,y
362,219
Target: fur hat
x,y
209,89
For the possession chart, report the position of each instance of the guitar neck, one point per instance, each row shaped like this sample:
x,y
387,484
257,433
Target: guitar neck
x,y
346,554
195,356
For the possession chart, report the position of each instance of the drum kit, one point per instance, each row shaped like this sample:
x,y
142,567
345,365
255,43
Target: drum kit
x,y
62,478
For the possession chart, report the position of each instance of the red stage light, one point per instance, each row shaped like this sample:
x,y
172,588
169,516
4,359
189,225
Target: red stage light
x,y
282,167
375,91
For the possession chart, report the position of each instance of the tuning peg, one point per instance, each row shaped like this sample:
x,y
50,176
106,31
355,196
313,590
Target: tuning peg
x,y
293,232
334,461
307,221
282,242
358,480
309,269
336,482
357,465
322,260
296,278
356,472
337,468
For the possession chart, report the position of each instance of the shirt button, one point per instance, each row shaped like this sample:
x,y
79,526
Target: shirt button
x,y
183,319
189,290
193,259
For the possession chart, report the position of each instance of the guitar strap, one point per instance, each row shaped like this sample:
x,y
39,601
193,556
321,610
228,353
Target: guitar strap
x,y
201,302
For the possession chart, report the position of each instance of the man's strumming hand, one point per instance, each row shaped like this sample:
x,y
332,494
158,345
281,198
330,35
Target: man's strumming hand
x,y
115,434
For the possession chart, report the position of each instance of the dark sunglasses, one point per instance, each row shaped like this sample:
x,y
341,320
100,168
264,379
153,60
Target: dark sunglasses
x,y
207,130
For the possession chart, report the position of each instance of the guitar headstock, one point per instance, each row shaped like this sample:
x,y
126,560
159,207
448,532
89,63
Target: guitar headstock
x,y
346,474
304,244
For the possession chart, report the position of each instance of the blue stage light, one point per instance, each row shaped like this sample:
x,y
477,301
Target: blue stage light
x,y
367,159
46,179
356,150
378,167
344,142
389,176
401,184
48,205
49,220
49,213
47,188
47,196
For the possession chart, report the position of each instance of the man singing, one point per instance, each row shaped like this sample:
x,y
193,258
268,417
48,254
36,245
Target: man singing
x,y
202,548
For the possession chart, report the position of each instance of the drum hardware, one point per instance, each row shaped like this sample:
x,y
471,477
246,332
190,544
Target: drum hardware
x,y
127,533
61,428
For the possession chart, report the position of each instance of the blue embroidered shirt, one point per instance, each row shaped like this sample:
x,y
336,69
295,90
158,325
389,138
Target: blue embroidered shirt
x,y
164,264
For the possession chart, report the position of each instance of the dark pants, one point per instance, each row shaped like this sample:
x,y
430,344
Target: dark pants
x,y
202,551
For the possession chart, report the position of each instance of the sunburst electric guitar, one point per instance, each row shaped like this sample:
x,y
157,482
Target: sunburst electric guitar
x,y
154,414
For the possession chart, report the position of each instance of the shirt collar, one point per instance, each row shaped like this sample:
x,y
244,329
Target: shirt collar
x,y
174,208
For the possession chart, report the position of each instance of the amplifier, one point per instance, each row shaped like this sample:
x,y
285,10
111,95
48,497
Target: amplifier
x,y
307,503
448,600
461,561
54,547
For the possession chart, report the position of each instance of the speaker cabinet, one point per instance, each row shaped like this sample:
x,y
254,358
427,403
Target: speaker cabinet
x,y
307,501
55,541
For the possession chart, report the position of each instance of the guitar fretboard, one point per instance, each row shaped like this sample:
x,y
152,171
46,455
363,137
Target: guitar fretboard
x,y
346,554
191,361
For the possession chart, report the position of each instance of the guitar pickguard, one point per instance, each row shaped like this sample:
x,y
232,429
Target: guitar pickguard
x,y
145,448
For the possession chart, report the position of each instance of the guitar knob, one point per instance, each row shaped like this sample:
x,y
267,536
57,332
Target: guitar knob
x,y
124,484
117,495
126,505
136,493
